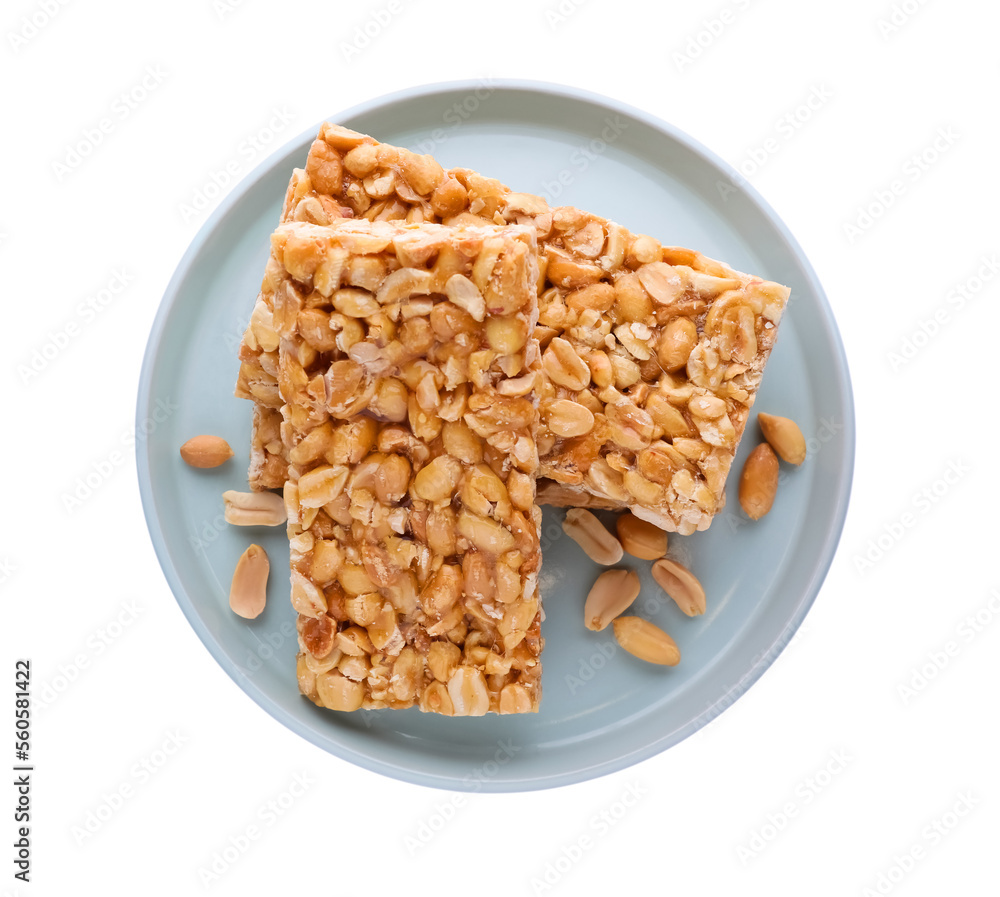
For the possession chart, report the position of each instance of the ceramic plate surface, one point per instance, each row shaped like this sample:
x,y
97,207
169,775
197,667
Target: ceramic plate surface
x,y
602,709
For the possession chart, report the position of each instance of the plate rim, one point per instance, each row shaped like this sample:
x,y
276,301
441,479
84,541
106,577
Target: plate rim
x,y
529,782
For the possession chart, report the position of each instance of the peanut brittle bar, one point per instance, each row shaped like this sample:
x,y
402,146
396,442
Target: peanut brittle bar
x,y
412,458
652,354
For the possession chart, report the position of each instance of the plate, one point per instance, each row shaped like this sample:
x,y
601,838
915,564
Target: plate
x,y
602,710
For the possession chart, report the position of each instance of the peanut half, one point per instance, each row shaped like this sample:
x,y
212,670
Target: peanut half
x,y
589,533
640,538
646,641
613,592
248,592
681,585
206,451
337,692
759,481
784,436
567,419
468,693
254,508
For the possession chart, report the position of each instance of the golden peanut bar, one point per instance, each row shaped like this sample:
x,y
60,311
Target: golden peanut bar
x,y
412,457
652,354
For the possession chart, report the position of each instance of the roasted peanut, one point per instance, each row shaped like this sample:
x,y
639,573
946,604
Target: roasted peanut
x,y
206,451
514,698
610,595
590,534
317,635
677,340
640,538
662,282
681,585
646,641
564,366
784,436
321,485
759,481
254,508
467,690
248,592
567,419
337,692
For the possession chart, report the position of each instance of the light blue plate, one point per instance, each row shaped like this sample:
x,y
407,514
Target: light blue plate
x,y
602,709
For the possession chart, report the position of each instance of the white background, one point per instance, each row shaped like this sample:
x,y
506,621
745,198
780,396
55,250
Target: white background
x,y
708,814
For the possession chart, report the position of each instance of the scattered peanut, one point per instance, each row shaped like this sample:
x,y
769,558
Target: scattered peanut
x,y
610,595
640,538
681,585
784,436
248,592
206,451
646,641
589,533
759,481
254,508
